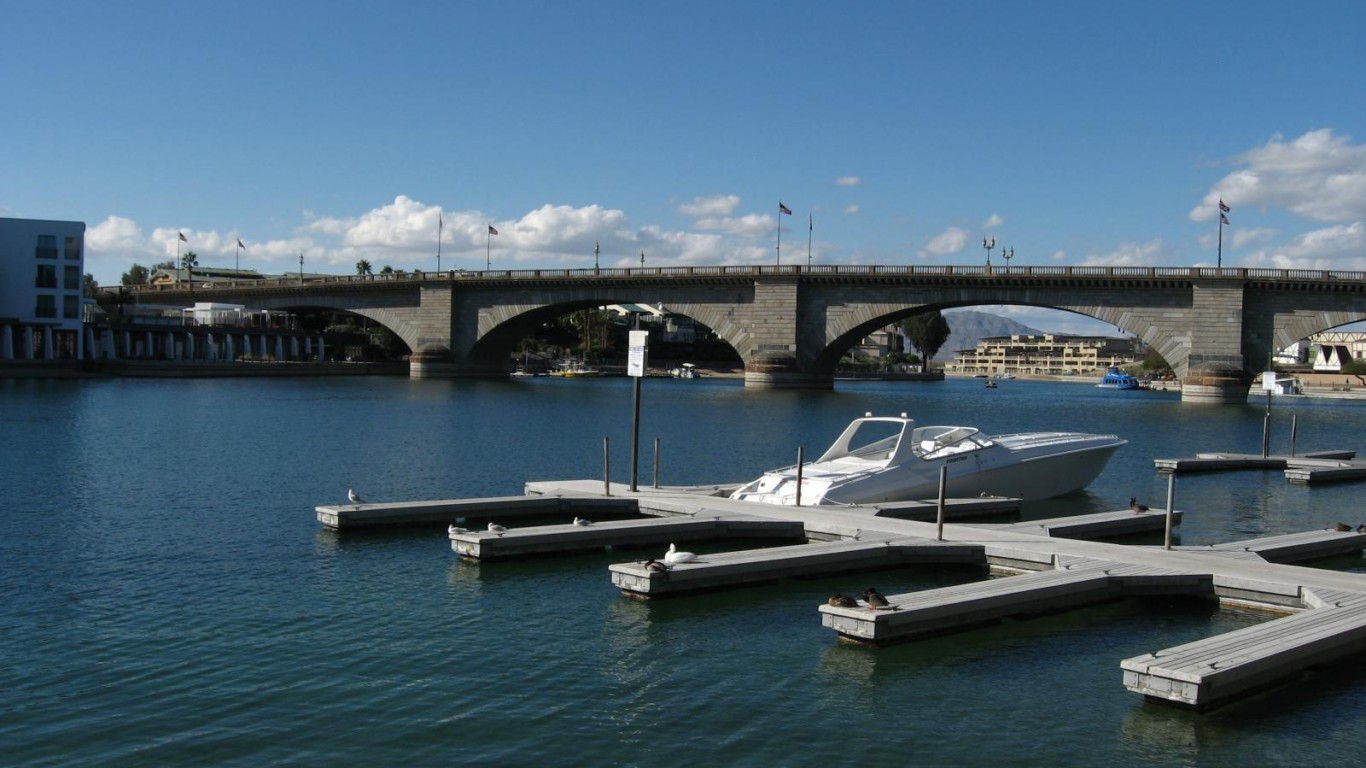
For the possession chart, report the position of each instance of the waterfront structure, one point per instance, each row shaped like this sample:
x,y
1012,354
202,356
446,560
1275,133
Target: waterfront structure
x,y
201,275
1332,350
1047,354
791,325
43,268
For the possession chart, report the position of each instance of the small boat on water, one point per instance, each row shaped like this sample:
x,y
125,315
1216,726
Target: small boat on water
x,y
574,369
889,458
1117,379
991,383
684,371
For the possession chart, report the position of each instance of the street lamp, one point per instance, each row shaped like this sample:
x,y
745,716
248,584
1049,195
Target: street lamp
x,y
1008,255
988,246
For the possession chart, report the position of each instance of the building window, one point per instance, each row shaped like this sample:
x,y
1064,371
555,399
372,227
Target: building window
x,y
47,247
46,277
47,307
71,277
71,307
73,248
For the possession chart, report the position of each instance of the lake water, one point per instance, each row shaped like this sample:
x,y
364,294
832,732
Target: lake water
x,y
169,598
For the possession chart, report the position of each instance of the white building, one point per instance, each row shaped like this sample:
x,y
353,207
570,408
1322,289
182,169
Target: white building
x,y
42,275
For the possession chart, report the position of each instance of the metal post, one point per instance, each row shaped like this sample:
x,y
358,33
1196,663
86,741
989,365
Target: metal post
x,y
656,462
939,514
635,431
799,475
606,470
1266,427
1294,429
1171,494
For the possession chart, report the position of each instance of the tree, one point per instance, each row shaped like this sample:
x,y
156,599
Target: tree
x,y
388,270
363,268
927,332
189,260
90,286
136,275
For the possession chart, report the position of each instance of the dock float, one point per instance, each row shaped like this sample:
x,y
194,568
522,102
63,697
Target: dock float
x,y
1306,471
1209,672
1097,526
918,615
447,511
529,540
756,566
1220,461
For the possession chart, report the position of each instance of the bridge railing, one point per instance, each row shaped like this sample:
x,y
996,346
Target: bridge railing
x,y
755,270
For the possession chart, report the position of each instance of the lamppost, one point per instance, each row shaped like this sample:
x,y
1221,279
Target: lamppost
x,y
988,246
1007,255
301,267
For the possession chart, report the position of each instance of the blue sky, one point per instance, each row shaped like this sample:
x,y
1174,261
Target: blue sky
x,y
1071,132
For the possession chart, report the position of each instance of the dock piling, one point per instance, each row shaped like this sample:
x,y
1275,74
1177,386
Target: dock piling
x,y
1171,493
606,469
939,510
799,475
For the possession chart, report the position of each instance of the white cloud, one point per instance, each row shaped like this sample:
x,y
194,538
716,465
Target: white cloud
x,y
993,221
1243,238
851,209
1319,176
1147,254
1341,247
950,241
848,181
114,234
713,206
750,225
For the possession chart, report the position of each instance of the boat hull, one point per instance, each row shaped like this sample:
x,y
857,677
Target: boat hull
x,y
1030,466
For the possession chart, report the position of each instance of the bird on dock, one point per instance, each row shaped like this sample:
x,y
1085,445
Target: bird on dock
x,y
1135,506
354,497
654,566
874,599
1342,527
496,528
581,521
674,556
454,529
843,601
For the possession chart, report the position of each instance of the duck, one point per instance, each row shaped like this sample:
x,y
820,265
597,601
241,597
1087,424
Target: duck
x,y
1135,506
674,555
1342,527
843,601
496,528
874,599
581,521
354,497
654,566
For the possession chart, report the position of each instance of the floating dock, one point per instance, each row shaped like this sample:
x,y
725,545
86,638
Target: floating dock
x,y
1222,461
1053,565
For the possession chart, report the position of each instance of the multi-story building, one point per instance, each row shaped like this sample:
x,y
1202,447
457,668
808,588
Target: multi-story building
x,y
42,277
1047,354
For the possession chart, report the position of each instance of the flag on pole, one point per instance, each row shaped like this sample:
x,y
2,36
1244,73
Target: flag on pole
x,y
492,231
182,237
784,209
1223,219
1223,208
239,243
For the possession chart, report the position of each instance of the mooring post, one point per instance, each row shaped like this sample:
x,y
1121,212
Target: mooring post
x,y
939,513
656,462
606,470
1294,429
1266,427
1171,493
799,475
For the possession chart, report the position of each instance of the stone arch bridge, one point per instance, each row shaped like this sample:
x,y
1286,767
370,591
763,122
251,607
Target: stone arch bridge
x,y
1216,327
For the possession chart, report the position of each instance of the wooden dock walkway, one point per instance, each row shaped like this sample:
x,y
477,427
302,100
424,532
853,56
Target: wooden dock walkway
x,y
1225,461
1058,565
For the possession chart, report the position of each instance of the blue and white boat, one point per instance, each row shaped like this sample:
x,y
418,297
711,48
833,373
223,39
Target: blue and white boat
x,y
1117,379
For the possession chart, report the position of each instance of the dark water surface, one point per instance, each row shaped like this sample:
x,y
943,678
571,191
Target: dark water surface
x,y
167,597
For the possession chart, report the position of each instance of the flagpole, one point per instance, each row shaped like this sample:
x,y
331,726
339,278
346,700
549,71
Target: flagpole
x,y
488,238
779,249
1220,263
438,242
810,224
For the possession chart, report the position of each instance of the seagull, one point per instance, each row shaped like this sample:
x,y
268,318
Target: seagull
x,y
1135,506
354,497
496,528
875,599
581,521
454,529
674,556
843,601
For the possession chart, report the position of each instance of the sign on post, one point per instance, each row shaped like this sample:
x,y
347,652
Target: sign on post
x,y
635,356
1269,381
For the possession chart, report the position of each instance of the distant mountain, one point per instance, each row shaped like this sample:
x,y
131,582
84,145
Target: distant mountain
x,y
968,326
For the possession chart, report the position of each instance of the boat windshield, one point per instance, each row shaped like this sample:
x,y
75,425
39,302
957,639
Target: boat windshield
x,y
936,442
867,440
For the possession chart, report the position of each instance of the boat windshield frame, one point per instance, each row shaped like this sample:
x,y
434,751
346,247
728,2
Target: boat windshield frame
x,y
936,442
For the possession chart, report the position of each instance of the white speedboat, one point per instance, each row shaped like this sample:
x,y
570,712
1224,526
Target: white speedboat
x,y
889,458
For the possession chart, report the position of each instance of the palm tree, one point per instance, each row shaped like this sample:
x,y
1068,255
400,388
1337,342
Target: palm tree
x,y
188,262
363,268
